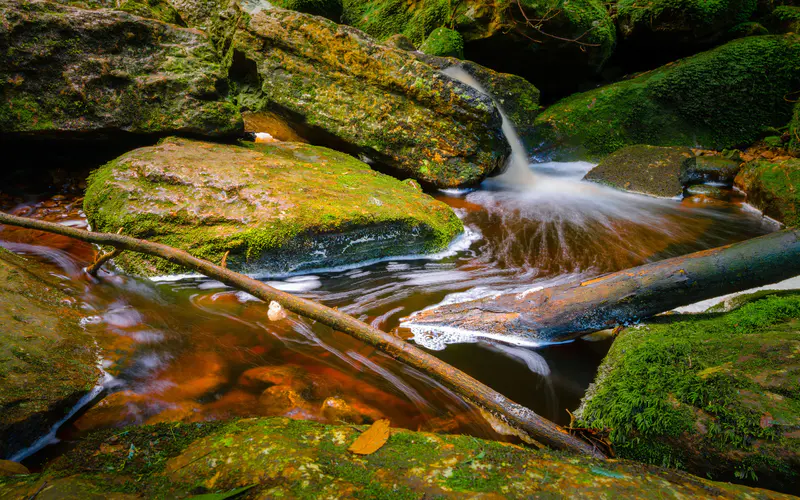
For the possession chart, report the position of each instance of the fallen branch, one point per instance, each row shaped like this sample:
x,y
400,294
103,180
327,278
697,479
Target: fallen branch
x,y
574,309
518,417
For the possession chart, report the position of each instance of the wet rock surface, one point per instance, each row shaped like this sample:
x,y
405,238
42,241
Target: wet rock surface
x,y
275,207
47,361
358,96
713,394
293,459
652,170
69,71
772,186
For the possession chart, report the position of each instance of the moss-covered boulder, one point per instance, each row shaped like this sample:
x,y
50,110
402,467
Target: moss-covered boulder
x,y
718,99
552,43
713,168
358,96
676,24
443,42
794,132
653,170
773,187
715,394
785,19
282,458
332,9
69,71
517,97
277,207
47,361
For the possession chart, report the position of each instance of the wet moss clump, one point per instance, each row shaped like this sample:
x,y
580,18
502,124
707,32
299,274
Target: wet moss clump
x,y
715,394
718,99
444,42
278,457
276,208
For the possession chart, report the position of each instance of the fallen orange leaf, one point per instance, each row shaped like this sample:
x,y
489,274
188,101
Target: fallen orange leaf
x,y
371,439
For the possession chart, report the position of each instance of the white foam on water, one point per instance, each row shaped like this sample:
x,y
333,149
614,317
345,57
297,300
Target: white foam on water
x,y
533,360
437,338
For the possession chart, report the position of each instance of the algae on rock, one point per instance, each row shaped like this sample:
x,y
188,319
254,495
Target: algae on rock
x,y
715,394
282,458
47,361
278,208
72,71
719,99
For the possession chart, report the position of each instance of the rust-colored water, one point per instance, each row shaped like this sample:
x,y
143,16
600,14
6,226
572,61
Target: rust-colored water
x,y
195,350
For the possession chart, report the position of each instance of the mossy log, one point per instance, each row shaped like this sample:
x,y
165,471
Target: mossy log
x,y
574,309
519,419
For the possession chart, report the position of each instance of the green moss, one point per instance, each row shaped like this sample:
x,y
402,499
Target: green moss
x,y
444,42
703,17
718,99
384,18
786,18
692,391
154,9
794,131
293,201
332,9
774,188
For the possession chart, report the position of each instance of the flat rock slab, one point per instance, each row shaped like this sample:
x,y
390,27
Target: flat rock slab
x,y
282,458
47,361
69,71
644,169
376,102
277,208
714,394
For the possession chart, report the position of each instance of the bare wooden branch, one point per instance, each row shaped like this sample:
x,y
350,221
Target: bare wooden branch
x,y
102,259
567,311
520,418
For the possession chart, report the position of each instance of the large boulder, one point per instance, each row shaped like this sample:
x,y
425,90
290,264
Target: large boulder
x,y
653,170
718,99
773,187
282,458
375,102
69,71
277,208
552,43
674,26
47,361
714,394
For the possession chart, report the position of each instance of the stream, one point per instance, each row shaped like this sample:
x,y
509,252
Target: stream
x,y
191,349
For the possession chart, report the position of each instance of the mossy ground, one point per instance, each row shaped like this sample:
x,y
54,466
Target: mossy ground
x,y
281,458
718,99
273,206
715,394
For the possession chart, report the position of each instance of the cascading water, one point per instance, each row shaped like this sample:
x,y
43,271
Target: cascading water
x,y
517,174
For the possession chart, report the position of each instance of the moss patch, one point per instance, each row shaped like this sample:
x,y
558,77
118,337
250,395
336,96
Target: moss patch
x,y
658,171
332,9
276,207
444,42
718,99
774,188
716,394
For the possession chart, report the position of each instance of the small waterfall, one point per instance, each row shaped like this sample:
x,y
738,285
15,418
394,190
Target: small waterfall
x,y
518,174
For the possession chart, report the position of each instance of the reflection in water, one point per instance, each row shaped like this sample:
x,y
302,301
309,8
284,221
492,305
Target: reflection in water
x,y
195,350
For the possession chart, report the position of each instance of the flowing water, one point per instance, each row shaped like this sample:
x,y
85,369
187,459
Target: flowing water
x,y
191,349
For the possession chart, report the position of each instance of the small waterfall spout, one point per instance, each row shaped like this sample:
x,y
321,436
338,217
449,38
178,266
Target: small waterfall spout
x,y
518,174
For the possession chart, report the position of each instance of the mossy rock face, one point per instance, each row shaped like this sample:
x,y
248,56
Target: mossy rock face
x,y
652,170
718,99
773,188
375,102
678,23
153,9
331,9
277,208
282,458
47,361
785,19
713,169
518,98
73,71
715,394
497,35
794,131
443,42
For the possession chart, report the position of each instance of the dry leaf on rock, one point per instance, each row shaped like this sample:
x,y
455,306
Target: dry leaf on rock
x,y
371,439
